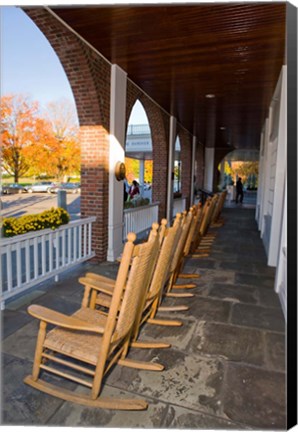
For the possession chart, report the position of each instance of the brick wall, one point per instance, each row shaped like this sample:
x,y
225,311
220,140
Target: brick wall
x,y
89,77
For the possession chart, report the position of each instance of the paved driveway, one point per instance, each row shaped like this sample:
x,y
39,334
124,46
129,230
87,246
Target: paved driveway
x,y
19,205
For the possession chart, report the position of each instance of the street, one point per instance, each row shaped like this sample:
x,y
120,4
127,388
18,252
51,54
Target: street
x,y
19,205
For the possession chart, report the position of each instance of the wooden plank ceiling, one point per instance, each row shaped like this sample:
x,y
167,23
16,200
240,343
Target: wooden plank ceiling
x,y
178,54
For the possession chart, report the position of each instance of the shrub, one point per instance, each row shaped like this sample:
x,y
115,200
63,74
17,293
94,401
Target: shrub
x,y
52,218
136,202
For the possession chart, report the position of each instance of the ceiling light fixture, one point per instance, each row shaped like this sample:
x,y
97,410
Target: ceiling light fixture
x,y
210,96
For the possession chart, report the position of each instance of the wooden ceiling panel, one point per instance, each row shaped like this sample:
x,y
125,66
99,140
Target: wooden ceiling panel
x,y
179,53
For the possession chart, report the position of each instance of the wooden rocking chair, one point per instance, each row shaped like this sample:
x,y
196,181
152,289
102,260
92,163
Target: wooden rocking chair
x,y
151,301
89,342
201,246
216,221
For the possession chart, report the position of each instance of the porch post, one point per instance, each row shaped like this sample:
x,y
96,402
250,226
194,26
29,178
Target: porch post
x,y
280,174
172,137
209,168
116,153
210,144
260,193
222,173
193,157
266,174
142,175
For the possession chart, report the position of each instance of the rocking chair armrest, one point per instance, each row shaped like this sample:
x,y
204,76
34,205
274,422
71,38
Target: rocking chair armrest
x,y
52,317
104,287
100,278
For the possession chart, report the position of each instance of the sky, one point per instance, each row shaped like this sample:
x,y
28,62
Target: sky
x,y
29,65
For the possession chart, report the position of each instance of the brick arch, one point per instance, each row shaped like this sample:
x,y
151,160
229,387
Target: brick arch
x,y
186,154
89,77
159,125
218,157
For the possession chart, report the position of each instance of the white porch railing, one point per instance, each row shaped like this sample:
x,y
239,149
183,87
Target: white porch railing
x,y
28,259
179,205
139,219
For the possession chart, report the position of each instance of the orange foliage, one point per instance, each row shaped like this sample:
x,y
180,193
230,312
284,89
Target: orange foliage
x,y
31,144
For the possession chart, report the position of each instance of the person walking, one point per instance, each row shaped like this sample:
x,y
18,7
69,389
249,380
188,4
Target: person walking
x,y
239,191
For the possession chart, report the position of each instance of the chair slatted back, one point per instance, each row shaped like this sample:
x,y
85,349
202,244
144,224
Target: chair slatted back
x,y
186,222
167,250
207,212
136,286
219,206
192,230
194,241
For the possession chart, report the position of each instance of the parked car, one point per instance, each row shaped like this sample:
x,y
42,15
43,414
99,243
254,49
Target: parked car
x,y
13,188
44,186
67,187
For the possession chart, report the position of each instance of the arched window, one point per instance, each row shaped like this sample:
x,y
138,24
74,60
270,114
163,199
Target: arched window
x,y
177,167
138,151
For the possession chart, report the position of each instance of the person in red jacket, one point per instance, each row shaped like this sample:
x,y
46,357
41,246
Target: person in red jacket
x,y
134,189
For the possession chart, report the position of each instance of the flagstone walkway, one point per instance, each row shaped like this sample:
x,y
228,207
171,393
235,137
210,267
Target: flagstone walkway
x,y
224,370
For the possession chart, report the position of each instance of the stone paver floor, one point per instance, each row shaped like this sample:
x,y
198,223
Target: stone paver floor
x,y
226,366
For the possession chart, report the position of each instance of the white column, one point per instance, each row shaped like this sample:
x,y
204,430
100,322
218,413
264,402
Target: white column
x,y
276,221
117,153
142,175
260,192
193,159
266,174
172,138
280,284
209,168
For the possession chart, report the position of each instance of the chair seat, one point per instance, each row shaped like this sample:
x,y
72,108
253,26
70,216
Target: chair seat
x,y
84,346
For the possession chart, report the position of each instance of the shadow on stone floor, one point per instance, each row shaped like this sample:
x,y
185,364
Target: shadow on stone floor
x,y
224,370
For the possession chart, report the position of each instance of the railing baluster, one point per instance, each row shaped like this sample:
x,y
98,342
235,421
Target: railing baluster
x,y
89,238
69,233
139,219
19,265
35,254
43,255
57,238
51,255
80,241
30,258
75,246
85,239
27,260
64,248
9,269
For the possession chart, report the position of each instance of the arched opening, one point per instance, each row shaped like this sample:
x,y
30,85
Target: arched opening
x,y
243,165
177,187
138,156
34,80
94,122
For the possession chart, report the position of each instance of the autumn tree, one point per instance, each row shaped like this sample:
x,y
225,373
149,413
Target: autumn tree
x,y
18,121
132,169
245,169
148,175
65,143
33,143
